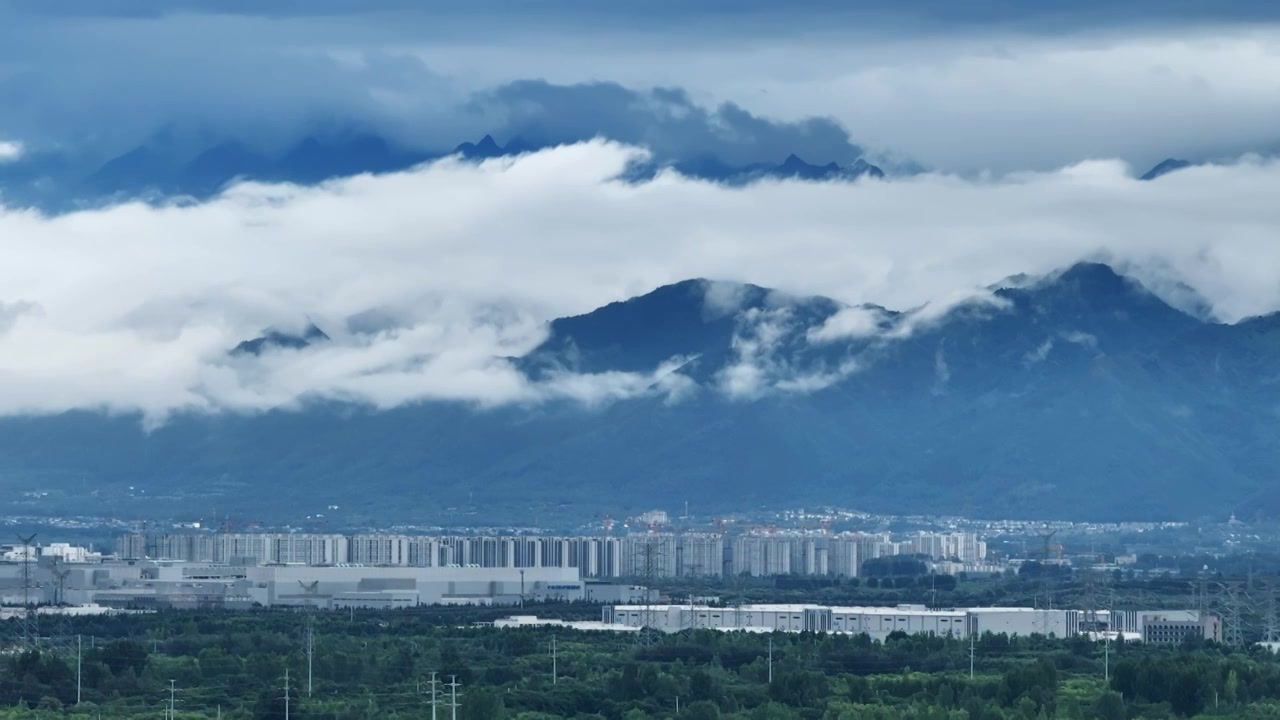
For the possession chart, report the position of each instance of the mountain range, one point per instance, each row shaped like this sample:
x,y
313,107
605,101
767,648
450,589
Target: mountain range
x,y
1078,395
165,168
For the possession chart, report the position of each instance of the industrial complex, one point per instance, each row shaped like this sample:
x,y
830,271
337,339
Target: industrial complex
x,y
645,554
1158,626
115,583
512,572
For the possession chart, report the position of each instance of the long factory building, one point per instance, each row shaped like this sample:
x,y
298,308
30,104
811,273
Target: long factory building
x,y
1158,626
147,584
656,554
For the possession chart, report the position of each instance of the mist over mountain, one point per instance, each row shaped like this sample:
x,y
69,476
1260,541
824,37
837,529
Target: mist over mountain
x,y
1077,395
164,169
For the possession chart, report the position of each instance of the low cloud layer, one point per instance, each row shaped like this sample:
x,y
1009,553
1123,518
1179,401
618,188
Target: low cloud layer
x,y
133,308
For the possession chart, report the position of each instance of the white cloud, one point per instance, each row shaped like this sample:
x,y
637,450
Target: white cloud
x,y
755,346
1040,354
723,298
971,101
132,308
10,150
1003,102
1083,339
1075,337
941,372
980,301
848,323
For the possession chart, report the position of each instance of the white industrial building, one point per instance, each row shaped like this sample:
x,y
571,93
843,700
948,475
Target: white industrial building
x,y
758,553
594,557
519,621
153,584
880,622
364,586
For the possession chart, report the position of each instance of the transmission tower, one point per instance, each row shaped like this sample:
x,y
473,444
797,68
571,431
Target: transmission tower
x,y
648,553
1231,604
1090,602
1043,621
1270,614
28,622
1199,596
58,635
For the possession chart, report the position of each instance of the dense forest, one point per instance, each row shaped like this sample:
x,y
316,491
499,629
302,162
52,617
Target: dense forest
x,y
370,664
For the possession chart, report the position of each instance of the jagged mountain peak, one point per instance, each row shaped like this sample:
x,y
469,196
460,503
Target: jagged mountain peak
x,y
1094,276
695,317
201,165
485,149
1094,298
1089,306
861,168
275,339
1094,282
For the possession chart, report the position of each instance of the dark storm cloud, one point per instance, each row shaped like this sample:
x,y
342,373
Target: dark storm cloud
x,y
110,82
999,85
665,120
1046,15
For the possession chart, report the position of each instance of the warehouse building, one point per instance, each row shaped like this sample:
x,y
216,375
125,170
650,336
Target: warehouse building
x,y
156,584
880,622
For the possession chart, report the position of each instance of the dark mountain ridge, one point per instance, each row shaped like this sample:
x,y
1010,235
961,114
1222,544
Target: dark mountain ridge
x,y
1164,167
274,339
1080,395
164,168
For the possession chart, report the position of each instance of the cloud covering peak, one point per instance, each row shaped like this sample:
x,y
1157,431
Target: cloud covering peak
x,y
135,307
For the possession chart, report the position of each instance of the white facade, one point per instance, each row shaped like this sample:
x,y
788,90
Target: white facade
x,y
880,622
181,584
68,553
661,554
596,557
517,621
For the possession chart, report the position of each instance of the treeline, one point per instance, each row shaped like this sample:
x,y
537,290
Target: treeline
x,y
380,665
1068,589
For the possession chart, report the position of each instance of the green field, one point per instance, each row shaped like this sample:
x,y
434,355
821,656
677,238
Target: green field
x,y
379,665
